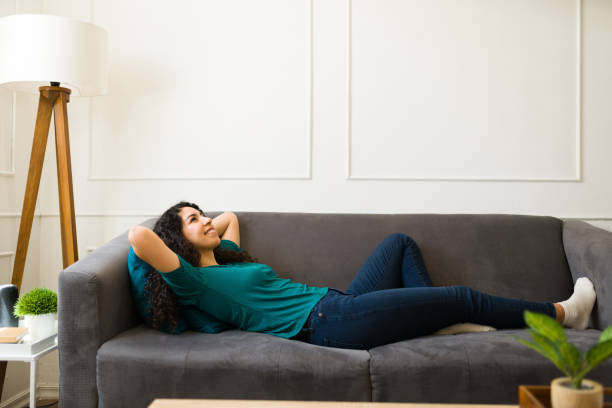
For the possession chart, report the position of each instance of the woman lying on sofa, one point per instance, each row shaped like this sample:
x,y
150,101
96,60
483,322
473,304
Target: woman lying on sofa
x,y
191,270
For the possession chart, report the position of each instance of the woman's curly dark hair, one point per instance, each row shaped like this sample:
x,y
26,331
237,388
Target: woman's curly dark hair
x,y
164,303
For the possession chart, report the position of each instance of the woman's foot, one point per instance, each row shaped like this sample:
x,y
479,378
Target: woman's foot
x,y
579,306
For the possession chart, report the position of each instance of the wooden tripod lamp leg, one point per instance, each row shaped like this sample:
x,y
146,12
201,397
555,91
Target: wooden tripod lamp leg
x,y
39,145
70,252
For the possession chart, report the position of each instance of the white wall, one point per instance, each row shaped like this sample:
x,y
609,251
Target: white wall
x,y
16,132
351,106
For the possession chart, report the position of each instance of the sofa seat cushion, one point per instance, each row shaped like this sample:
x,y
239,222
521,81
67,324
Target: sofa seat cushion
x,y
468,368
142,364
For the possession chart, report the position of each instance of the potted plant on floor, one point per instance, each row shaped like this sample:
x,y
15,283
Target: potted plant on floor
x,y
549,339
38,307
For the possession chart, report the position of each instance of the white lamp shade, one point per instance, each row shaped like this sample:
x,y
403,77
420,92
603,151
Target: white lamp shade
x,y
37,49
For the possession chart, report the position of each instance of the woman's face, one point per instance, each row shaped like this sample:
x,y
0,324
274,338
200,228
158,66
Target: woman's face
x,y
198,229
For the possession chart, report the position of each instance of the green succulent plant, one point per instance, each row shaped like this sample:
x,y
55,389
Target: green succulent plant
x,y
549,339
36,302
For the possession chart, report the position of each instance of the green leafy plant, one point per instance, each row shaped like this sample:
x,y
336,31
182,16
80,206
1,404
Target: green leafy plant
x,y
36,302
549,339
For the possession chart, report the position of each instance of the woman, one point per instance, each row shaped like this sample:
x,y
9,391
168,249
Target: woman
x,y
390,299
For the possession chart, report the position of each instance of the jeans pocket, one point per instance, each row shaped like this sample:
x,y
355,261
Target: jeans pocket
x,y
340,344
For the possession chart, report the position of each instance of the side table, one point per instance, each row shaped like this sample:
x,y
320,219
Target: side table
x,y
29,352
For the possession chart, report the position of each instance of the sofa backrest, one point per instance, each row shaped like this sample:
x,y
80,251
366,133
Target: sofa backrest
x,y
507,255
502,254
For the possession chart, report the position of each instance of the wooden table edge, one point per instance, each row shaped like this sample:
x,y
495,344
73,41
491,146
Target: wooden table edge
x,y
226,403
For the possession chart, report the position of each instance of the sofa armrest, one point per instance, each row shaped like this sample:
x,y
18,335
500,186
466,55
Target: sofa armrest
x,y
589,253
94,304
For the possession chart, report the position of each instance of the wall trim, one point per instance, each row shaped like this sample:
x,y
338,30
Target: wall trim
x,y
22,399
11,171
100,215
309,127
152,214
84,215
11,256
579,165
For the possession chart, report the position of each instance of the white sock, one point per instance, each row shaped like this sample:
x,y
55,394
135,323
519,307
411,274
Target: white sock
x,y
579,306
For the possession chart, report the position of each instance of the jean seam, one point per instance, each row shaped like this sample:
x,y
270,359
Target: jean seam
x,y
374,287
426,279
395,245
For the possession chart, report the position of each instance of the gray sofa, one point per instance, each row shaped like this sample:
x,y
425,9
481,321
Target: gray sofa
x,y
108,358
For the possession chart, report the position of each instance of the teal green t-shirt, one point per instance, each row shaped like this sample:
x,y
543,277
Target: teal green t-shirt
x,y
247,295
189,317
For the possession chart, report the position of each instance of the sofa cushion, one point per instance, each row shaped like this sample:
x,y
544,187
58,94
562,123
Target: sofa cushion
x,y
142,364
468,368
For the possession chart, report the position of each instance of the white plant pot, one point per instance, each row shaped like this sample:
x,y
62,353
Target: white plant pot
x,y
40,326
563,396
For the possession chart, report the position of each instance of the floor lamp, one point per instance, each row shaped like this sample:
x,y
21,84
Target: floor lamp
x,y
38,53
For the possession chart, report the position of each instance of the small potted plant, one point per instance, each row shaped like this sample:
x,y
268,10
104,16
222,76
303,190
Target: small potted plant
x,y
38,307
549,339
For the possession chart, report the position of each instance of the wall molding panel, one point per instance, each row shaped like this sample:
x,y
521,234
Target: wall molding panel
x,y
97,173
8,126
6,273
369,153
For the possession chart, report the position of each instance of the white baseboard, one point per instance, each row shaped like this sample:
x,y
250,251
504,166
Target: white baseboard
x,y
45,391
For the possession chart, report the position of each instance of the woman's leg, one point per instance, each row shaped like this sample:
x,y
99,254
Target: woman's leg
x,y
396,263
386,316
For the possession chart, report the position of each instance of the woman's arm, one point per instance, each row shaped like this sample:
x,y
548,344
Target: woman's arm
x,y
227,227
151,249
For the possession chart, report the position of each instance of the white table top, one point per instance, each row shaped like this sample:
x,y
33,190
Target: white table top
x,y
28,351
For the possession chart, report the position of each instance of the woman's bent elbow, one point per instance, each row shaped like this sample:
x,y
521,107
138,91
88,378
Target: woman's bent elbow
x,y
135,231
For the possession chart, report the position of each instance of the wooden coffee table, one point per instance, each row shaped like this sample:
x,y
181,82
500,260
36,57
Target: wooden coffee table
x,y
224,403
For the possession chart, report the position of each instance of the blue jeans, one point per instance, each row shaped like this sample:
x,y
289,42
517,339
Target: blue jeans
x,y
392,299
